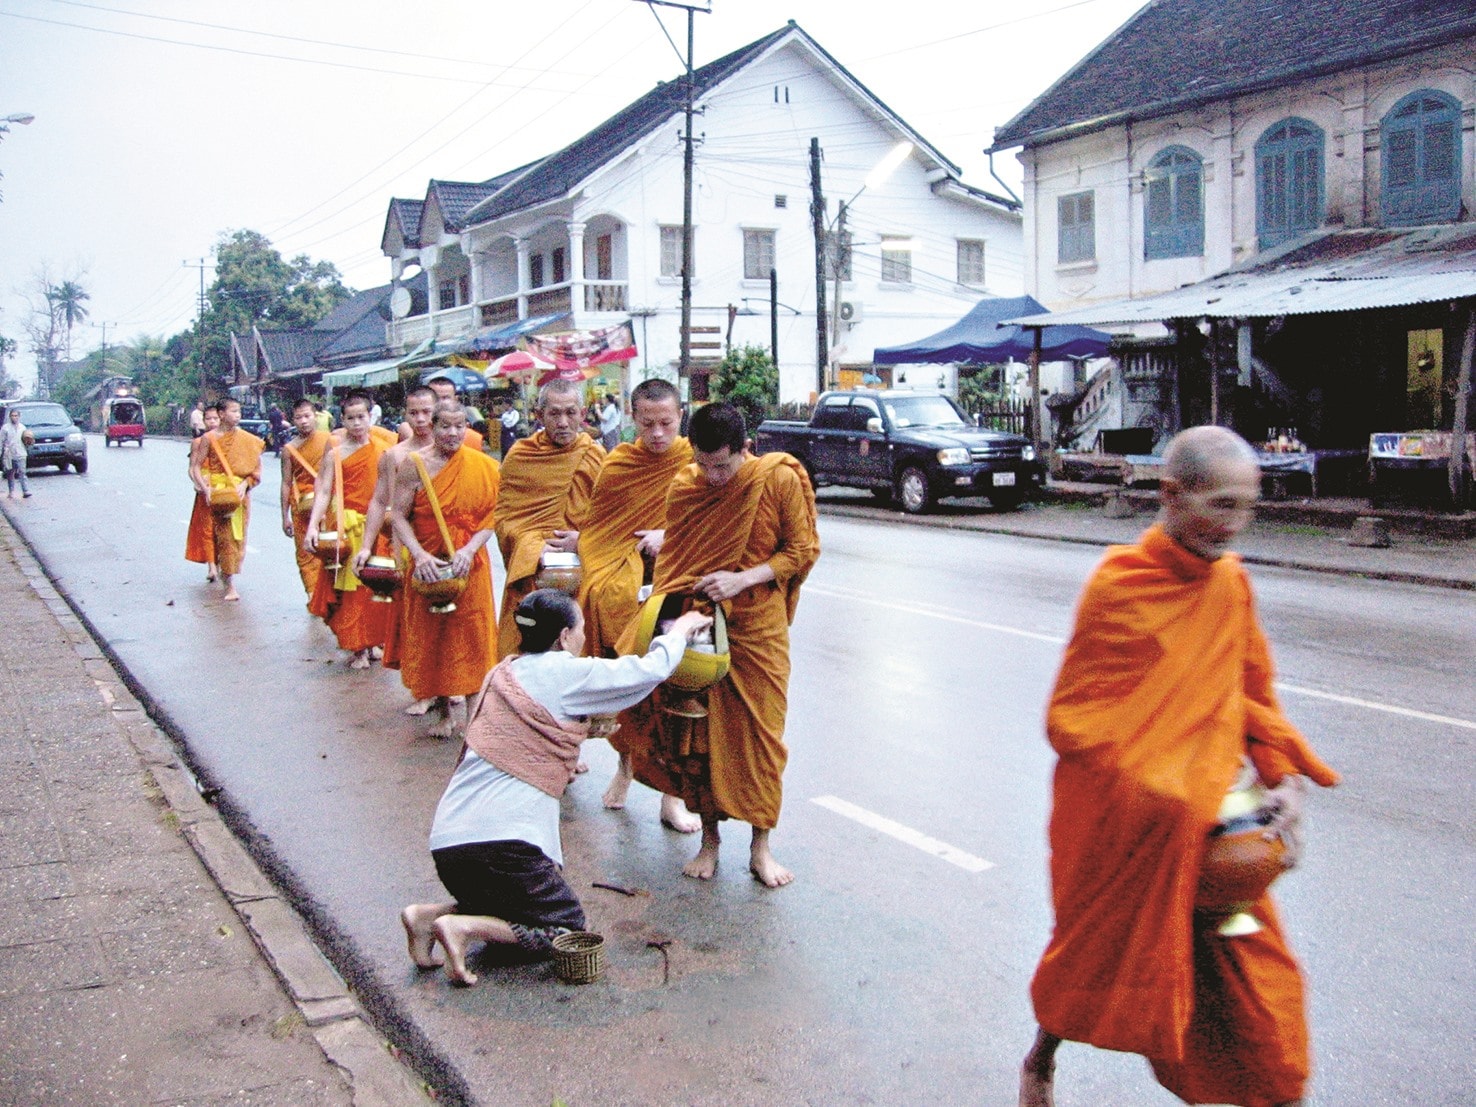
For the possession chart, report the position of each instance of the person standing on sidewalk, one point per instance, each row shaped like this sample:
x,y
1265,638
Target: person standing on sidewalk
x,y
13,454
495,838
1165,693
232,458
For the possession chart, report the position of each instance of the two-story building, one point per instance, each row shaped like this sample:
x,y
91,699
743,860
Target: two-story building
x,y
1273,203
591,236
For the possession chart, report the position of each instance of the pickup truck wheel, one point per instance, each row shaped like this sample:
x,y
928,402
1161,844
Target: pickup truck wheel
x,y
1007,499
913,492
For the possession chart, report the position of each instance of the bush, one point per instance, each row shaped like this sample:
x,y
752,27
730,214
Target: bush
x,y
748,379
160,419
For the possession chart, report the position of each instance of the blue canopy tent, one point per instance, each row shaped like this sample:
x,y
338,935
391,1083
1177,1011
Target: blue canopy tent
x,y
464,379
978,339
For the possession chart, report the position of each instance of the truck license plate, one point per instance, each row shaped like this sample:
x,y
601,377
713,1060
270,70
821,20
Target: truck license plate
x,y
1003,480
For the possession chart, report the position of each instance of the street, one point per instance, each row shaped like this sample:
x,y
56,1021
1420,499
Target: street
x,y
895,969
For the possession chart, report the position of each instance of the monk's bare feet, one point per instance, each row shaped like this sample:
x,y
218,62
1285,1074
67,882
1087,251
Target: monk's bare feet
x,y
231,595
376,653
418,920
761,863
456,716
619,786
210,574
704,865
1038,1073
441,712
360,660
420,707
581,766
675,816
450,931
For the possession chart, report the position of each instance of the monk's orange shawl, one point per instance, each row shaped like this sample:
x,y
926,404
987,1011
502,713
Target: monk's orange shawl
x,y
356,620
764,514
1165,686
544,489
199,538
630,495
242,451
450,655
312,449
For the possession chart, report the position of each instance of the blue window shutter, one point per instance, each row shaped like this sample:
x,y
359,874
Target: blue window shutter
x,y
1289,181
1420,148
1173,205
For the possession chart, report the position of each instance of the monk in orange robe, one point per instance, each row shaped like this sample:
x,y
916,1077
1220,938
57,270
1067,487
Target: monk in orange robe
x,y
1165,693
356,618
301,460
623,535
200,537
740,531
232,458
420,407
547,482
445,389
447,656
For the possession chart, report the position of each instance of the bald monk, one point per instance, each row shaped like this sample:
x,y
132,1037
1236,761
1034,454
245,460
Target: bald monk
x,y
445,389
740,531
624,532
232,457
1164,693
301,459
349,609
447,656
547,482
199,538
420,407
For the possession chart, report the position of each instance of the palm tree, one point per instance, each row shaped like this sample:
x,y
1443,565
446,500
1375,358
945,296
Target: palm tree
x,y
66,303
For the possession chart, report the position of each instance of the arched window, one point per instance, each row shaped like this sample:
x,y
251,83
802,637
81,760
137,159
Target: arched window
x,y
1421,143
1173,205
1288,181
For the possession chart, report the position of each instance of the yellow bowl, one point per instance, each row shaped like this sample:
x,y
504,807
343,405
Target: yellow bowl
x,y
698,669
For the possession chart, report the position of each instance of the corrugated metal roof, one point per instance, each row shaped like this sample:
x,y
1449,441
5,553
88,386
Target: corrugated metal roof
x,y
1342,271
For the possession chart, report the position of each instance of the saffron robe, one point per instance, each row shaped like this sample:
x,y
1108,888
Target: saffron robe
x,y
451,654
349,609
630,495
311,448
544,489
764,514
200,537
1165,687
242,451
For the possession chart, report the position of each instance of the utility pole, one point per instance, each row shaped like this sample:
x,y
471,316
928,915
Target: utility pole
x,y
684,364
774,317
817,221
201,265
840,255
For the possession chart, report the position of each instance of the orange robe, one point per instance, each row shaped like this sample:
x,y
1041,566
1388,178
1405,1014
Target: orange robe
x,y
384,437
544,489
309,568
200,537
450,655
1165,686
242,451
630,495
357,620
732,763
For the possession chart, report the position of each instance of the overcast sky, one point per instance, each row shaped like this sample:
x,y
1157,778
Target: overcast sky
x,y
161,124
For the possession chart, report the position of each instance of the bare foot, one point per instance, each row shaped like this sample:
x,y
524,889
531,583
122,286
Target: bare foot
x,y
581,766
619,785
420,707
675,816
360,660
456,716
450,931
231,595
704,865
1038,1073
420,938
210,574
376,653
761,863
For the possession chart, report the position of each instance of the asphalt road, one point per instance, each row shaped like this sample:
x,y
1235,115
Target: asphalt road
x,y
894,970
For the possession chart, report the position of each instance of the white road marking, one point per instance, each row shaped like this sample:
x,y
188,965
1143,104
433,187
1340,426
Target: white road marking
x,y
1465,724
1293,689
914,838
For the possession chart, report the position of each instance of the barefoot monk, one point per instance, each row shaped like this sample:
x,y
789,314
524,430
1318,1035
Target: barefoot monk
x,y
232,461
301,459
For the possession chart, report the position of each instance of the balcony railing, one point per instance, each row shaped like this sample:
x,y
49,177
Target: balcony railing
x,y
598,296
604,296
550,301
415,329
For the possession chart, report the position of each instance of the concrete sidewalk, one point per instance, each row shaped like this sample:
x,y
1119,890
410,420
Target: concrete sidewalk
x,y
127,973
1274,539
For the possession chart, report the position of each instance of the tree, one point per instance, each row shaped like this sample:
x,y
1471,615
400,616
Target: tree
x,y
8,349
748,379
66,305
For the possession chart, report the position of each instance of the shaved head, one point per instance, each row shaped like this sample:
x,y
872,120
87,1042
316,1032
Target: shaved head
x,y
1195,458
560,390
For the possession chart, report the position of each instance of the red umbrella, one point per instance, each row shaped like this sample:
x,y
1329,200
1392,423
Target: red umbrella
x,y
517,363
566,373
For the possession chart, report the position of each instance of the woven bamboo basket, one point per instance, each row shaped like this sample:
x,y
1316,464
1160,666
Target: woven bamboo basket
x,y
579,957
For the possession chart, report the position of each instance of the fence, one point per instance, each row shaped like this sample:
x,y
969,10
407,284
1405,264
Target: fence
x,y
1009,415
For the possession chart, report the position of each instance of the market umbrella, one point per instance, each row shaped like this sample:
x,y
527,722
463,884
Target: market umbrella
x,y
567,373
517,363
982,338
464,379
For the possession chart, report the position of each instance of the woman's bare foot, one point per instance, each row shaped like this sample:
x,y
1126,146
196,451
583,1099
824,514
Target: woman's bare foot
x,y
619,786
761,863
418,920
704,865
360,660
675,816
451,932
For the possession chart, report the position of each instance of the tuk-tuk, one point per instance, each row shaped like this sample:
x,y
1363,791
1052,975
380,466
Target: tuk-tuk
x,y
123,420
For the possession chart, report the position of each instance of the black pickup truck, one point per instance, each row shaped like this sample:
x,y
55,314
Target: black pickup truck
x,y
916,446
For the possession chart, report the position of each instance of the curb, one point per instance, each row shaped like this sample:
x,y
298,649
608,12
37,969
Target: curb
x,y
984,525
326,1003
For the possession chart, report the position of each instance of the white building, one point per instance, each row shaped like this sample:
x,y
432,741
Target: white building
x,y
590,236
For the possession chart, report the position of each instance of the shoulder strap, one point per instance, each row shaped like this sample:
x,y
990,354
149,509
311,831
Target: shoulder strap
x,y
220,456
338,488
296,455
435,501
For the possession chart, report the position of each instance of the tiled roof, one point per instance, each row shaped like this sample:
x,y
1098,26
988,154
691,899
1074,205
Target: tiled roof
x,y
288,350
406,216
1177,53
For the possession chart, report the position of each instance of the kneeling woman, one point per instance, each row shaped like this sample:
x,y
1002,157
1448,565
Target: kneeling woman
x,y
495,838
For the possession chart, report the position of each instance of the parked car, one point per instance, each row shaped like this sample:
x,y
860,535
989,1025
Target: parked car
x,y
915,446
253,421
58,439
